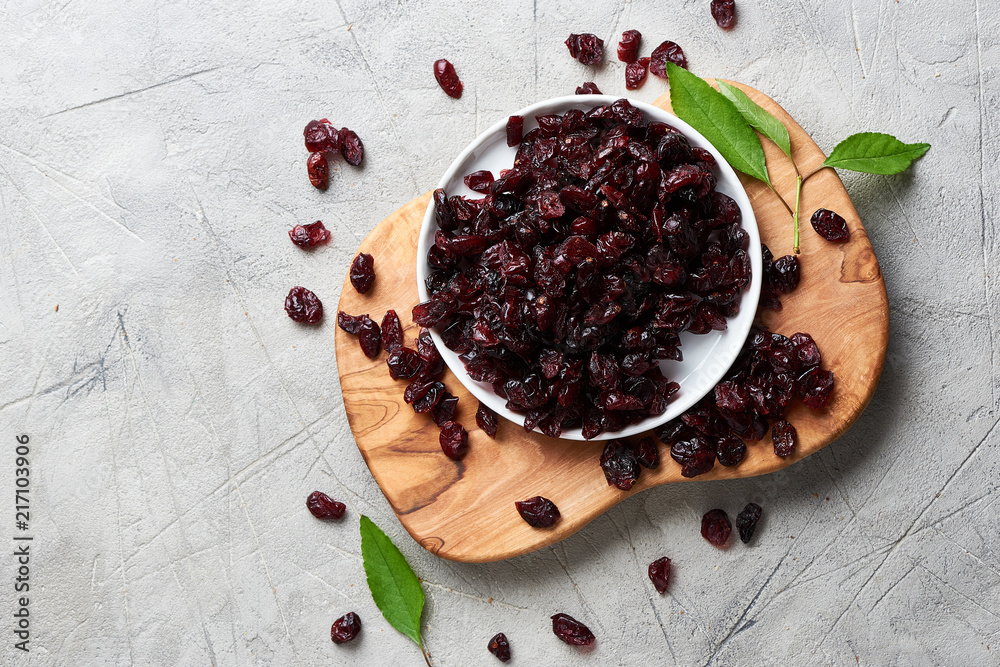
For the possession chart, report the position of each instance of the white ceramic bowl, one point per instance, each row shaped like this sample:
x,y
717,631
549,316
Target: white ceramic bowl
x,y
707,357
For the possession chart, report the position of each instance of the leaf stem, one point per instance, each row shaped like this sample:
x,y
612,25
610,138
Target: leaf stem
x,y
782,199
424,653
795,216
813,172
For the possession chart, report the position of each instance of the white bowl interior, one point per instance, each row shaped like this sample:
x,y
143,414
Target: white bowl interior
x,y
707,357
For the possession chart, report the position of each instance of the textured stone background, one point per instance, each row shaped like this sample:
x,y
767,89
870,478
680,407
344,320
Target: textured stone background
x,y
150,165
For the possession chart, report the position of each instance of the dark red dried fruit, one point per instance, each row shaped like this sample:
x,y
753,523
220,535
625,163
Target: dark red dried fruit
x,y
746,521
345,628
454,440
515,130
587,48
784,436
694,454
715,527
635,73
486,419
318,170
571,631
647,453
628,46
588,88
730,450
444,411
350,323
303,306
806,351
724,13
306,236
499,647
403,362
323,506
447,78
479,181
538,512
370,338
321,136
666,52
785,277
351,147
620,466
816,386
363,272
830,226
392,332
659,574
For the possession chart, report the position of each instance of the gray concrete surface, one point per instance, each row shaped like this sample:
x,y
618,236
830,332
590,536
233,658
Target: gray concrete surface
x,y
150,164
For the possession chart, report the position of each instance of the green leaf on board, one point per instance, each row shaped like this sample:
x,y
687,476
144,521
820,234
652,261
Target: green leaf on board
x,y
757,116
394,587
874,153
708,111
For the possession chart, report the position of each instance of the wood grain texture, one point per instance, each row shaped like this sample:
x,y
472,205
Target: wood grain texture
x,y
464,510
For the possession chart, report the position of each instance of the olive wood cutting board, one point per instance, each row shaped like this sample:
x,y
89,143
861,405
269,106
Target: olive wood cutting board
x,y
464,510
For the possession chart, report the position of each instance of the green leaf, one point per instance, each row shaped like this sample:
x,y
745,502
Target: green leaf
x,y
874,153
709,112
395,589
757,116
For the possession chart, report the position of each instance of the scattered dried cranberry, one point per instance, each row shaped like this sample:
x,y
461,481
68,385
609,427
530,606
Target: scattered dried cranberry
x,y
830,226
587,48
350,323
784,436
647,454
351,147
571,631
454,440
392,332
730,450
323,506
363,272
444,411
666,52
746,521
816,386
621,468
321,136
659,574
724,13
303,306
538,512
479,181
318,170
486,419
588,88
370,338
499,647
446,77
515,130
306,236
403,362
628,46
345,628
635,73
715,527
694,454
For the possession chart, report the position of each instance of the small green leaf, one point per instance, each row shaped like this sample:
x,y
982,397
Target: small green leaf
x,y
395,589
757,116
874,153
709,112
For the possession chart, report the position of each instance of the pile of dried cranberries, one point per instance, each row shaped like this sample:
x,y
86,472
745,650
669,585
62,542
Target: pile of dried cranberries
x,y
574,276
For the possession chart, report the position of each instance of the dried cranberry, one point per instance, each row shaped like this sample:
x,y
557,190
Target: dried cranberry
x,y
392,332
318,170
587,48
784,436
538,512
730,450
588,88
446,77
746,521
659,574
306,236
323,506
444,411
303,306
621,468
403,362
370,338
666,52
515,130
635,73
628,46
350,323
345,628
806,351
321,136
351,147
479,181
830,226
363,272
499,647
694,454
454,440
724,13
647,454
571,631
786,274
486,419
816,386
715,527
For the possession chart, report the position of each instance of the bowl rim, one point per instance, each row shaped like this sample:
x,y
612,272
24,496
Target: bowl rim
x,y
749,300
